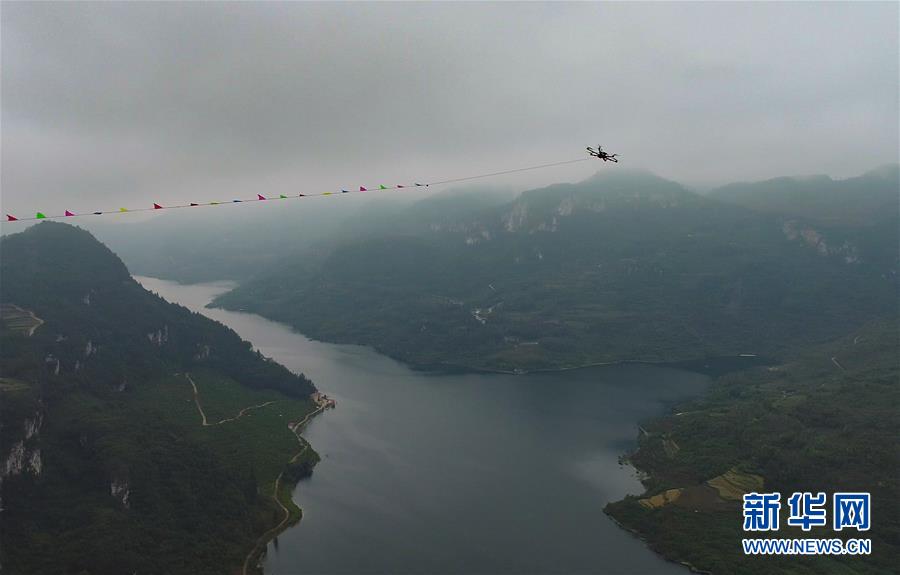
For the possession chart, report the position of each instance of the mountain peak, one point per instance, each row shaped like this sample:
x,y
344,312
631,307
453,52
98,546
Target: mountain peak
x,y
60,254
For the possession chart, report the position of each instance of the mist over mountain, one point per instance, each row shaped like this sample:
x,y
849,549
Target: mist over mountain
x,y
238,242
624,265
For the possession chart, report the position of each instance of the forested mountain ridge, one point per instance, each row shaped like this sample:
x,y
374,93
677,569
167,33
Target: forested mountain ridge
x,y
108,464
862,200
63,275
625,265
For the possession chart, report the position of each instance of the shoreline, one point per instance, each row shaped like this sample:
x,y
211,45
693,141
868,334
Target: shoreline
x,y
650,546
251,565
697,365
689,364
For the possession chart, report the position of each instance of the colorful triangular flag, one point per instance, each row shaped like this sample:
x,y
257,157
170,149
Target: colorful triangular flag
x,y
418,184
10,218
98,213
39,216
381,187
399,186
68,213
301,195
260,197
236,201
345,191
193,204
157,207
282,196
326,193
362,189
123,210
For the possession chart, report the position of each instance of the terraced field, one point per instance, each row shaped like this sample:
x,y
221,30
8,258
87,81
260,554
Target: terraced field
x,y
19,320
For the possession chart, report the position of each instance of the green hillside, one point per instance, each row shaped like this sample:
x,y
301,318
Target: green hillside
x,y
108,466
825,421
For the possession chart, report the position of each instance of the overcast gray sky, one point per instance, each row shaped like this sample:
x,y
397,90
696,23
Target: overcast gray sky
x,y
120,103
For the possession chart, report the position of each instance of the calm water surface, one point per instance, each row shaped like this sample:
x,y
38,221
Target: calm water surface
x,y
425,473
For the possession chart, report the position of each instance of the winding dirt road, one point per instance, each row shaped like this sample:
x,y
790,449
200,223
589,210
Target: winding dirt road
x,y
240,414
304,445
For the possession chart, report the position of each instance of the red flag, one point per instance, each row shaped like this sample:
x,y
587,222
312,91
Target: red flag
x,y
10,218
157,207
68,213
362,189
259,197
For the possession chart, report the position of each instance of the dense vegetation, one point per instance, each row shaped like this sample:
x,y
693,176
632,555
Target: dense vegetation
x,y
622,266
825,421
107,466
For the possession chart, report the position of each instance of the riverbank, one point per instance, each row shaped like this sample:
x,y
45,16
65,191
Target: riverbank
x,y
711,366
637,534
298,467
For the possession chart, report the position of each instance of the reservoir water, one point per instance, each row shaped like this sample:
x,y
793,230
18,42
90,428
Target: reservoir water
x,y
471,473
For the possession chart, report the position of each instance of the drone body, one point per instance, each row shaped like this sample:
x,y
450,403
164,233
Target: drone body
x,y
600,154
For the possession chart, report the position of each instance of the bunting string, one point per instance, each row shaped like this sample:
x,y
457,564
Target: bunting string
x,y
261,198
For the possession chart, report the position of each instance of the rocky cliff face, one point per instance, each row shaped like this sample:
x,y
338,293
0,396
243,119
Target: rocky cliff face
x,y
24,456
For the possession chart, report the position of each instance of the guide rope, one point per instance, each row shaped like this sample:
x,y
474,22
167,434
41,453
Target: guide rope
x,y
261,198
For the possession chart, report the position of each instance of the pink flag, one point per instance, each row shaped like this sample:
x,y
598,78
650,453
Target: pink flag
x,y
157,207
10,218
259,197
68,213
362,189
